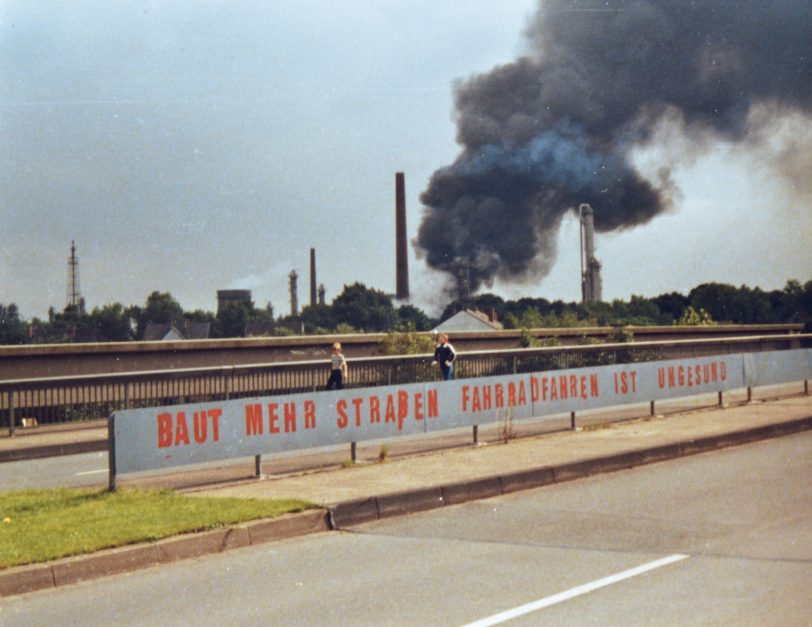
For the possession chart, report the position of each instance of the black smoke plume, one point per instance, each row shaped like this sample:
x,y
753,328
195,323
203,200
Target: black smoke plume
x,y
556,127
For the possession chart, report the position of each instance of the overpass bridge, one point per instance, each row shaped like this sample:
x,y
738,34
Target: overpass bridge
x,y
29,401
65,360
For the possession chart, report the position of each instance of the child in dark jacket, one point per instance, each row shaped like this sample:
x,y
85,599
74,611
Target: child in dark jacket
x,y
444,355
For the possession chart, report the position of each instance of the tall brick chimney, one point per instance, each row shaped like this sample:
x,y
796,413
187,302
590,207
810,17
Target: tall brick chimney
x,y
312,277
401,250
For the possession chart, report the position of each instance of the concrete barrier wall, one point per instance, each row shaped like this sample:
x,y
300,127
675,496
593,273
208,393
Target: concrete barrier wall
x,y
164,437
774,367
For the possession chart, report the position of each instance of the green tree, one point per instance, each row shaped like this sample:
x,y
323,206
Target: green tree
x,y
801,306
639,311
112,323
74,324
529,318
671,306
363,308
318,318
160,307
263,315
566,319
13,329
231,319
407,342
693,318
595,314
516,307
199,315
411,317
726,303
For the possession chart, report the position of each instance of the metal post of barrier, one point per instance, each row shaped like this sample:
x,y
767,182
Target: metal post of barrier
x,y
651,412
721,399
228,385
111,453
354,451
749,394
806,387
11,412
127,395
572,420
476,434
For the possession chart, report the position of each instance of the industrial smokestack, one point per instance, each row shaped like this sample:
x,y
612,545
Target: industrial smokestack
x,y
463,279
294,298
591,284
401,251
312,277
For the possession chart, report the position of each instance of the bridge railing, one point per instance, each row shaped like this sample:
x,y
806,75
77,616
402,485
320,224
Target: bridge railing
x,y
51,400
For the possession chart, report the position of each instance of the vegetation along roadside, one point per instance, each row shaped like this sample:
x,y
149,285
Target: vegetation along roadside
x,y
41,525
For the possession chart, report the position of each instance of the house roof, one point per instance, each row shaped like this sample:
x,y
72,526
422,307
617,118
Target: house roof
x,y
468,320
259,329
180,330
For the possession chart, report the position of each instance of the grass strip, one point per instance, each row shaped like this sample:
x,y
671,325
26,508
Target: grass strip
x,y
41,525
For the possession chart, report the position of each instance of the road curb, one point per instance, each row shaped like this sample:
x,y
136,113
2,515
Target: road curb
x,y
53,450
22,579
351,513
473,490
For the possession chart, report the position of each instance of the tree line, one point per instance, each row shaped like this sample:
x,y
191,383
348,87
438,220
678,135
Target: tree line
x,y
362,309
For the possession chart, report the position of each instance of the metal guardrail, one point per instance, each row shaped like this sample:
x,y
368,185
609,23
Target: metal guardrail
x,y
70,360
28,402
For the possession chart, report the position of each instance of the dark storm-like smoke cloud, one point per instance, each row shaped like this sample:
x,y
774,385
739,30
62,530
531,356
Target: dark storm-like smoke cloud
x,y
556,127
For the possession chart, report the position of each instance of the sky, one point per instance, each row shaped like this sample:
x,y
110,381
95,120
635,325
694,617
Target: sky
x,y
189,146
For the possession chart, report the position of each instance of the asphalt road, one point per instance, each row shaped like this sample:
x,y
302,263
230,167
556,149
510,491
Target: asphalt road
x,y
70,471
722,538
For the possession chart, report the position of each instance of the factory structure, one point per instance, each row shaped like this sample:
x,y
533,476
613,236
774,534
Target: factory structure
x,y
591,286
317,294
591,283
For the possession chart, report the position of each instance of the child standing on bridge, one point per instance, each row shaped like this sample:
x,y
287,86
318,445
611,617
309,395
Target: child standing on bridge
x,y
445,355
338,369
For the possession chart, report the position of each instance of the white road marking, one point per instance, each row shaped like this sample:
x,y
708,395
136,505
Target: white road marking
x,y
91,472
577,591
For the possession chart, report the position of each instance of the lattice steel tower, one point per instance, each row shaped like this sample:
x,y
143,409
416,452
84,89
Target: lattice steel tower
x,y
74,294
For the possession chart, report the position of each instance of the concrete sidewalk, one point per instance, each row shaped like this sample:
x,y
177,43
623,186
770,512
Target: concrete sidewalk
x,y
371,491
53,440
454,475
